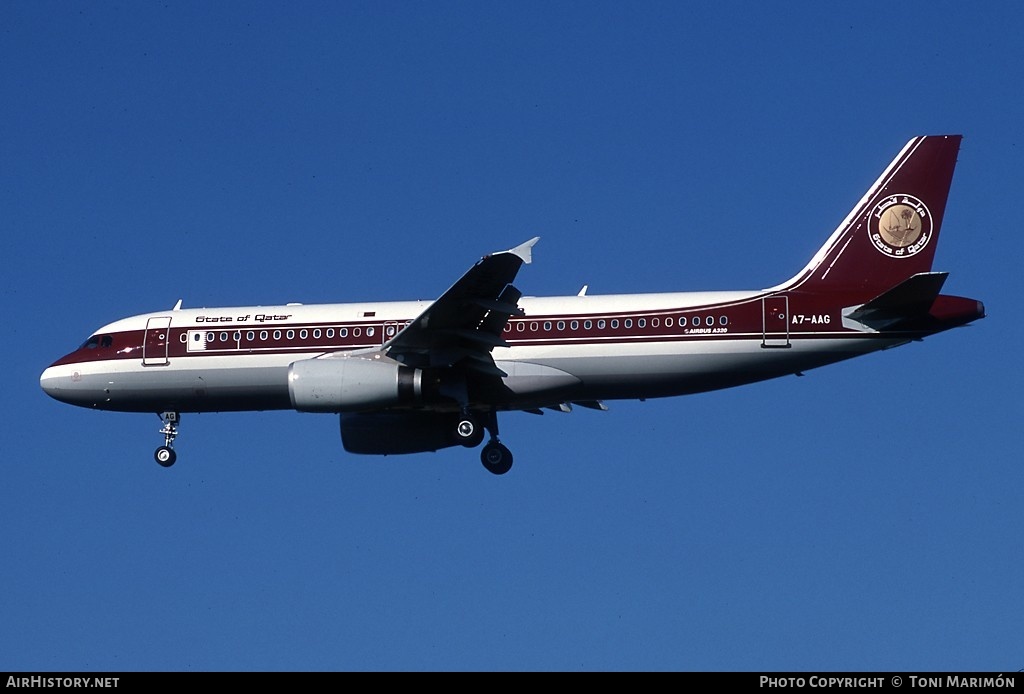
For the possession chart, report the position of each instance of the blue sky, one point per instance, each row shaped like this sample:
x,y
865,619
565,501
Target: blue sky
x,y
864,517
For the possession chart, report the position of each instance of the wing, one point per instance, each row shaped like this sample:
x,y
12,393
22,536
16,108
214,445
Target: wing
x,y
466,322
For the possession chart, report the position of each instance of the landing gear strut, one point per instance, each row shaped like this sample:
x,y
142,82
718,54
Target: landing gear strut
x,y
497,458
165,455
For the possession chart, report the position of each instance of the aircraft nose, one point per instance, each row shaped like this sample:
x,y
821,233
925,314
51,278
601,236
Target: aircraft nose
x,y
67,383
62,382
50,381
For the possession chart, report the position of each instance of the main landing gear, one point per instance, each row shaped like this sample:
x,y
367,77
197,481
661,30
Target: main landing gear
x,y
495,456
165,455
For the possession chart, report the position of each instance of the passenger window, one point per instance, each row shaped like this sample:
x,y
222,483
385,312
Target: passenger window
x,y
316,333
709,321
547,325
330,333
641,323
628,323
600,324
587,325
561,325
615,323
668,322
291,334
250,336
724,320
303,334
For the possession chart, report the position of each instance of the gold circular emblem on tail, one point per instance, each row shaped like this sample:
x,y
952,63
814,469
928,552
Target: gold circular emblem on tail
x,y
900,226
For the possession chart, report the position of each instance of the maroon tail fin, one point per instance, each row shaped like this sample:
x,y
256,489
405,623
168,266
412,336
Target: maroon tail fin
x,y
892,232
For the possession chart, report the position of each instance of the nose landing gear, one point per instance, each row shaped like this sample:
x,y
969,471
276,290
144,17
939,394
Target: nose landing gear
x,y
165,454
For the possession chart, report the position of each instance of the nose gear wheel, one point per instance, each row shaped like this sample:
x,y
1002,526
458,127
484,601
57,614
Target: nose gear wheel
x,y
165,454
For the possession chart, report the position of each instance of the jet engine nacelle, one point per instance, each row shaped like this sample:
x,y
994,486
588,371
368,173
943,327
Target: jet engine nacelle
x,y
393,433
351,384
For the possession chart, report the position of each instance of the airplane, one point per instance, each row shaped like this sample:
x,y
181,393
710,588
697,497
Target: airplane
x,y
416,376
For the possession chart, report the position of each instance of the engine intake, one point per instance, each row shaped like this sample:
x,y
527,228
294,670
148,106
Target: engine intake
x,y
351,384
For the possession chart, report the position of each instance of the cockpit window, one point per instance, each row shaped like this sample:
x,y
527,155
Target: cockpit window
x,y
98,341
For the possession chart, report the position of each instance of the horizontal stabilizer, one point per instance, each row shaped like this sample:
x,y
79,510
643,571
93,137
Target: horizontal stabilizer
x,y
910,299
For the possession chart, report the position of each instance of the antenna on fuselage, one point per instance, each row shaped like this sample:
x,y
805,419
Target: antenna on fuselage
x,y
177,306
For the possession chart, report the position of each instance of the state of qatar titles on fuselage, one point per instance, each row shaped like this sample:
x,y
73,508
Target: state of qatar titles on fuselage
x,y
419,376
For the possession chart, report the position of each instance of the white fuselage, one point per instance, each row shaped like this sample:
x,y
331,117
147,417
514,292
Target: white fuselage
x,y
563,349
